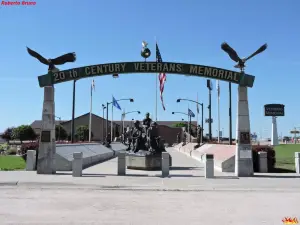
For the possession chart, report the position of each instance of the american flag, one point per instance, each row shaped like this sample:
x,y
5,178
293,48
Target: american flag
x,y
162,77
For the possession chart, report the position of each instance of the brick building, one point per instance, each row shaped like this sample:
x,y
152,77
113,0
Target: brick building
x,y
165,128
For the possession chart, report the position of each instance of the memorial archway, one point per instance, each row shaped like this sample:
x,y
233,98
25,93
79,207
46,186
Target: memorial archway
x,y
243,157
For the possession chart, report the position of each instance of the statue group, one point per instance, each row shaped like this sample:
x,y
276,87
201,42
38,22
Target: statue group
x,y
144,137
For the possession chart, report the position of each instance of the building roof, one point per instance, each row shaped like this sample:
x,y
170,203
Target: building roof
x,y
37,124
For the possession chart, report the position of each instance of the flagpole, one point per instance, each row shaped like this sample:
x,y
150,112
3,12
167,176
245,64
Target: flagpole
x,y
111,123
218,86
156,90
197,110
90,122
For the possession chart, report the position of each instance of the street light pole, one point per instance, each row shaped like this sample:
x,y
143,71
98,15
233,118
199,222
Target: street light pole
x,y
73,113
107,104
103,108
123,117
209,109
230,116
184,99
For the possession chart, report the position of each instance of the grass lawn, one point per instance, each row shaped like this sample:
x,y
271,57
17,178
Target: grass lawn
x,y
10,162
285,157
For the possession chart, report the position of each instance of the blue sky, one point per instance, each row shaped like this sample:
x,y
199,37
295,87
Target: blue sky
x,y
187,31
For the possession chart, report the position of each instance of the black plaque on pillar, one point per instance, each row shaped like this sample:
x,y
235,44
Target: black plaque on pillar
x,y
46,136
244,138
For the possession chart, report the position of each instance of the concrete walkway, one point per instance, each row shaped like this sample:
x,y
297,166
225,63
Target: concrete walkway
x,y
186,175
102,197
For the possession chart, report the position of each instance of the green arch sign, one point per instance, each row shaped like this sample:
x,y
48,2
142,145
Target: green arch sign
x,y
146,67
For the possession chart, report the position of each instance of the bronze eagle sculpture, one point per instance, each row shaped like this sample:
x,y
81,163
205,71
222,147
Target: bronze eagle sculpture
x,y
234,56
69,57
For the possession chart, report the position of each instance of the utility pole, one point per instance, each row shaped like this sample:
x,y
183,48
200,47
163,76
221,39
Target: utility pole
x,y
209,86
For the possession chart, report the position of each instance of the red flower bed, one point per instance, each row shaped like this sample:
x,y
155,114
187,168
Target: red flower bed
x,y
28,146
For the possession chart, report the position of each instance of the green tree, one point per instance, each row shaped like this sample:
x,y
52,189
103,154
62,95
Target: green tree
x,y
82,133
60,133
179,125
23,133
7,134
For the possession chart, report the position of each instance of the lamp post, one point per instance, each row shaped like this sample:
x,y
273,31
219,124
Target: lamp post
x,y
183,99
103,108
209,86
123,117
107,104
189,121
73,113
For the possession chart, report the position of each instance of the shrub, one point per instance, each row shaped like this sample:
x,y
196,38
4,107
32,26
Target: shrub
x,y
11,151
60,133
29,146
270,156
4,147
82,133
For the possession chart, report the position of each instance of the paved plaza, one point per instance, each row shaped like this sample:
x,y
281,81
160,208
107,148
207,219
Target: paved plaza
x,y
186,197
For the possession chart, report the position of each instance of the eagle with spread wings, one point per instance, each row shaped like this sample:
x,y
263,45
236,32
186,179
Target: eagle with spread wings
x,y
234,56
69,57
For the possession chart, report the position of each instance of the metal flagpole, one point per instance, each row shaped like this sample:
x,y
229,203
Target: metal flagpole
x,y
197,110
111,122
218,90
156,90
90,122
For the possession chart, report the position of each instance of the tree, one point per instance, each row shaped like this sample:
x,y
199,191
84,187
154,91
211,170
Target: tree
x,y
24,133
82,133
60,133
179,125
7,135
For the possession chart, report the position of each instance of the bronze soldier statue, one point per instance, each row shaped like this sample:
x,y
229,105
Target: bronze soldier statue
x,y
153,137
147,122
178,138
137,136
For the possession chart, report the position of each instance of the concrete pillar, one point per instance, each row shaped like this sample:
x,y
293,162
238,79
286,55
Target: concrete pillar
x,y
47,146
243,154
30,160
122,164
209,166
274,135
297,162
77,164
165,164
262,162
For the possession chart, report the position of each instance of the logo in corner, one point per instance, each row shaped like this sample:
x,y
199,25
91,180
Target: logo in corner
x,y
290,220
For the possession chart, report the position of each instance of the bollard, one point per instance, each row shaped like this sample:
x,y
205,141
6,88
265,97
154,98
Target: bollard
x,y
121,164
297,162
30,160
165,164
209,166
77,164
262,162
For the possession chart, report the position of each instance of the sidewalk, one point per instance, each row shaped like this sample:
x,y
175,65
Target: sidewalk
x,y
187,174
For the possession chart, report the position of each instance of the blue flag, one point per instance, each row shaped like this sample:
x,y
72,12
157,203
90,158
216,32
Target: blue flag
x,y
116,104
190,113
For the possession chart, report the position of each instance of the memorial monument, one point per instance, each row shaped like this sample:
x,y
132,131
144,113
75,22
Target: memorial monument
x,y
47,145
243,80
243,153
